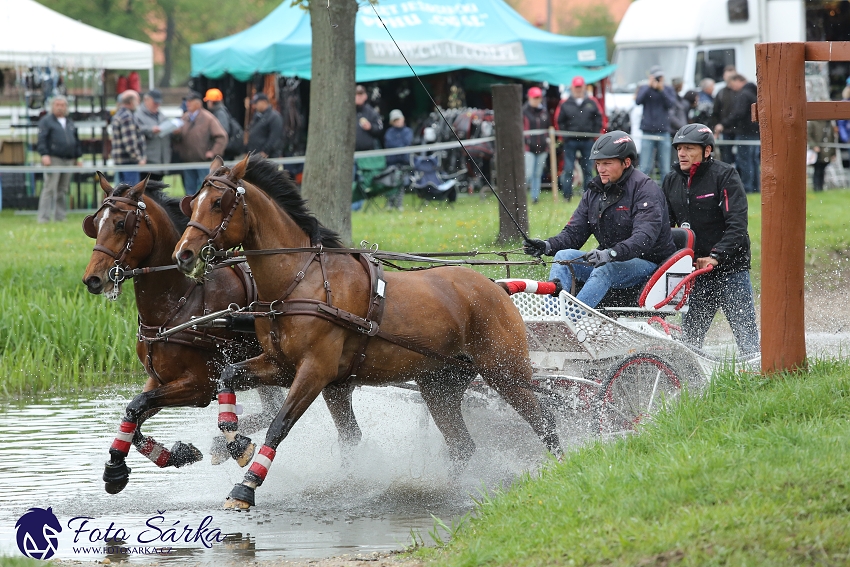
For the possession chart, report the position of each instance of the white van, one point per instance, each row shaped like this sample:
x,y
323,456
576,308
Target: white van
x,y
692,40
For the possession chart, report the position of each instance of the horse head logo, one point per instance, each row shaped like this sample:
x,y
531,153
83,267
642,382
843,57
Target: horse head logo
x,y
37,533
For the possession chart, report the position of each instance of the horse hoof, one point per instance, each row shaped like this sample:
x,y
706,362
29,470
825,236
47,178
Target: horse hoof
x,y
184,454
246,456
241,449
116,476
115,487
240,498
234,504
218,451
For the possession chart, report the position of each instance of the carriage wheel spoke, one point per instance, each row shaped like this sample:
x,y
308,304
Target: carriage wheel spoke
x,y
654,390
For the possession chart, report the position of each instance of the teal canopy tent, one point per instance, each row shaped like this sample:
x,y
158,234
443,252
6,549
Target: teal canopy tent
x,y
435,36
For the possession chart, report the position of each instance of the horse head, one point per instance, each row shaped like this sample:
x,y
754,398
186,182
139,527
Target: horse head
x,y
121,229
218,217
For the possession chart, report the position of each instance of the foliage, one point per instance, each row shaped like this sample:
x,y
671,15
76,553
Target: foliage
x,y
148,20
752,472
592,20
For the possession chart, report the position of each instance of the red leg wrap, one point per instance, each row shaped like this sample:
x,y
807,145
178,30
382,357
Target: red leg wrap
x,y
262,462
227,419
158,454
125,437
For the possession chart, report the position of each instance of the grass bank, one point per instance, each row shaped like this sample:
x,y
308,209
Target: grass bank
x,y
752,473
54,335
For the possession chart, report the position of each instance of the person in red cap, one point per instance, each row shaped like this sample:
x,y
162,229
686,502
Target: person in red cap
x,y
535,117
578,113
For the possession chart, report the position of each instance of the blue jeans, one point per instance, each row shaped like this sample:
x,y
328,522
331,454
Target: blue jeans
x,y
571,147
192,180
598,281
129,177
650,149
748,164
533,172
733,293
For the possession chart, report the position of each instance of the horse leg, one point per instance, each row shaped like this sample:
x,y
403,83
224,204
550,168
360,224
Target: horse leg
x,y
241,376
443,394
305,388
271,398
181,392
338,399
518,393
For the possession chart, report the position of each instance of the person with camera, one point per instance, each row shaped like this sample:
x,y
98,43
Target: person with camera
x,y
657,99
707,196
625,210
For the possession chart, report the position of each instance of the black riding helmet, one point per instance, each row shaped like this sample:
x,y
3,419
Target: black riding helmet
x,y
696,134
616,144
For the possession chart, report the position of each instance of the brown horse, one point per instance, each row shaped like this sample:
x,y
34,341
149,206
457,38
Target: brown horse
x,y
137,228
440,327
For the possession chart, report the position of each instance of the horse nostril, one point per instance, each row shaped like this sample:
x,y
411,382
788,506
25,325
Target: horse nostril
x,y
93,282
185,255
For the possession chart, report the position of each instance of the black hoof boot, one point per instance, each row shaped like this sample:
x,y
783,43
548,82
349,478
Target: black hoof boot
x,y
241,449
183,454
116,475
240,498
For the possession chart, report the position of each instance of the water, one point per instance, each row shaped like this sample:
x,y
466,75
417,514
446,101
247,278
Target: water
x,y
311,505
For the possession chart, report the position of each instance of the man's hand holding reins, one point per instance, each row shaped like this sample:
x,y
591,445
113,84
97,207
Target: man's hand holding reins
x,y
536,247
597,258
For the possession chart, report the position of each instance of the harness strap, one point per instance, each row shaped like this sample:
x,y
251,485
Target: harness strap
x,y
375,312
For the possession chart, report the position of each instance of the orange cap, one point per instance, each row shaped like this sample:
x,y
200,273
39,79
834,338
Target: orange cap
x,y
214,95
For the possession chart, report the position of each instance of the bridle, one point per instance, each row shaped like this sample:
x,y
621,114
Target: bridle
x,y
116,274
233,193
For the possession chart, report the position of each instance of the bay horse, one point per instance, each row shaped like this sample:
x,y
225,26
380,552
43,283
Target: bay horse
x,y
136,228
335,318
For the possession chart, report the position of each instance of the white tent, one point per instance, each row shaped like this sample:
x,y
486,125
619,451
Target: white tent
x,y
34,35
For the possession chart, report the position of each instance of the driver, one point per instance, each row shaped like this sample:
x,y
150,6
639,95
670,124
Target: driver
x,y
707,195
625,210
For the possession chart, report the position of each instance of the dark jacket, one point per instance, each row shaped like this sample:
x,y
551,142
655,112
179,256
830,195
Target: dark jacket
x,y
536,119
398,138
265,133
656,106
724,102
629,217
366,140
53,140
678,114
584,117
711,199
820,133
739,120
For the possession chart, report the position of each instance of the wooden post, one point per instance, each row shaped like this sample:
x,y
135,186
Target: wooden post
x,y
510,155
780,68
553,164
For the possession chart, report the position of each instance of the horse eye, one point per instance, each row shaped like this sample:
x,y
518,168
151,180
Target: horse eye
x,y
119,225
217,204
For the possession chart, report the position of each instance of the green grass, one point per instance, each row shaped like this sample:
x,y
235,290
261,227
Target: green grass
x,y
21,562
754,472
54,335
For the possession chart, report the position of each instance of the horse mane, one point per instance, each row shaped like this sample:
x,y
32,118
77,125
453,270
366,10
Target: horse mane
x,y
277,184
156,191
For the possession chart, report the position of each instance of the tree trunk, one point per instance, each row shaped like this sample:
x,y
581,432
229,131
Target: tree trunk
x,y
510,161
168,49
330,135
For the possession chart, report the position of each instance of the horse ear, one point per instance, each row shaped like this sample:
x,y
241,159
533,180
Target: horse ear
x,y
104,184
138,189
216,163
238,171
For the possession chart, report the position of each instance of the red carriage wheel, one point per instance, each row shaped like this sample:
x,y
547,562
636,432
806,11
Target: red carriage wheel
x,y
637,387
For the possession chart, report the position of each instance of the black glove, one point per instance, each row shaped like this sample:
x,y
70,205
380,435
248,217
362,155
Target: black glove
x,y
536,248
597,258
558,287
